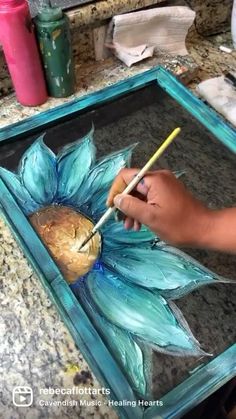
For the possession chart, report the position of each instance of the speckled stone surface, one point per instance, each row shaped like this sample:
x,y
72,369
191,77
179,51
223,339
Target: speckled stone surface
x,y
5,81
83,45
101,10
205,60
212,16
206,53
94,76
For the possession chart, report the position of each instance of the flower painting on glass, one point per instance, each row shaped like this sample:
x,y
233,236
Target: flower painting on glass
x,y
124,280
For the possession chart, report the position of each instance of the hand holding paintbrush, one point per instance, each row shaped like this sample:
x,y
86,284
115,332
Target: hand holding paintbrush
x,y
133,183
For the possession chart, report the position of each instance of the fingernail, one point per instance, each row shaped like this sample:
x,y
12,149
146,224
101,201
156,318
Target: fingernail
x,y
117,201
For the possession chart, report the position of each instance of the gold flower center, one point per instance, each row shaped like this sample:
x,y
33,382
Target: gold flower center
x,y
63,230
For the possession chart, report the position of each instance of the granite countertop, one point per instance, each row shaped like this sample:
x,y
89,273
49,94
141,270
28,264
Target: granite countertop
x,y
93,13
205,60
92,76
206,53
35,346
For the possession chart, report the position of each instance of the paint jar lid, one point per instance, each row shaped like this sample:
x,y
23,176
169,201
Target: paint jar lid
x,y
50,14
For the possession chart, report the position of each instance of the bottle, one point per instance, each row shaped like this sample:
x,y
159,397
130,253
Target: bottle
x,y
233,24
53,32
21,52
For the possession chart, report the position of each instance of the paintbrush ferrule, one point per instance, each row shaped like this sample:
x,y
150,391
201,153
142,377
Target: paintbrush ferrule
x,y
87,239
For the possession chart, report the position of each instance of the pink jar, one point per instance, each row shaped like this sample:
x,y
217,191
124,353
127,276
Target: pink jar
x,y
20,48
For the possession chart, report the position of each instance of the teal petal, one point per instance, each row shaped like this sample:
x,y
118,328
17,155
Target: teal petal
x,y
122,346
140,312
22,196
97,206
102,176
74,162
38,172
193,273
114,233
159,268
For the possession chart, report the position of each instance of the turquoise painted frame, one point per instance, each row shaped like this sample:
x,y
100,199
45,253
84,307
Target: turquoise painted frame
x,y
203,381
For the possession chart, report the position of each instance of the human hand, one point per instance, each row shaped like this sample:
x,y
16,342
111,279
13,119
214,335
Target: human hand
x,y
162,203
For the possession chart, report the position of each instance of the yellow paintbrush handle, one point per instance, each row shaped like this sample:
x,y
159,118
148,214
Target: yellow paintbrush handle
x,y
139,176
151,161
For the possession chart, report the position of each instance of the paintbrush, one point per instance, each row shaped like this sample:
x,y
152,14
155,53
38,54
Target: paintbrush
x,y
132,184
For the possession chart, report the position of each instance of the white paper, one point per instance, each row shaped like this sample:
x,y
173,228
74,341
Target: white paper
x,y
221,95
138,35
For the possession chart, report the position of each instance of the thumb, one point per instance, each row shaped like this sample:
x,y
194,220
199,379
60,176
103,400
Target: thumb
x,y
135,208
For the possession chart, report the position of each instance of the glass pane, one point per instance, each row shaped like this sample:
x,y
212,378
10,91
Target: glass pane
x,y
148,116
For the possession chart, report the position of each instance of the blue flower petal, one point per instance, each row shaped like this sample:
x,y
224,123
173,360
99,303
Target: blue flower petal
x,y
22,196
114,233
193,273
97,206
102,175
140,312
122,346
74,162
172,273
38,172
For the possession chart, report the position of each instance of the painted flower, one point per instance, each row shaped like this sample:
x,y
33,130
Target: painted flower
x,y
124,279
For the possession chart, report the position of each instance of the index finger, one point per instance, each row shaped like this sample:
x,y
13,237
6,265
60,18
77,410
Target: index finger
x,y
123,178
